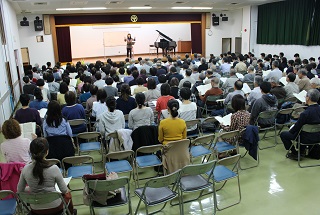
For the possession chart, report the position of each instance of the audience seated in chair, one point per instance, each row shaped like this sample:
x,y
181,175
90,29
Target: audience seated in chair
x,y
125,102
255,93
93,98
38,103
86,93
25,113
291,87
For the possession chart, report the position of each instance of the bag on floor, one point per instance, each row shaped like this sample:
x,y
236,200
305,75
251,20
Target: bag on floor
x,y
100,197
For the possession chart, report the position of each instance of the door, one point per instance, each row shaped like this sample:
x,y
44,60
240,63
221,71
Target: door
x,y
226,45
238,42
25,56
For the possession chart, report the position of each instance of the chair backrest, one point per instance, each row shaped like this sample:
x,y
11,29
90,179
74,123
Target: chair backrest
x,y
149,149
213,98
231,160
163,181
209,120
291,99
251,85
60,147
54,162
120,155
286,111
108,185
198,169
75,122
42,198
300,109
193,122
206,139
77,160
267,114
126,116
89,135
311,128
6,193
113,135
229,135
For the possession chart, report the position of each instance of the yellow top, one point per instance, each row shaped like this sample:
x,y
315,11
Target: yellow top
x,y
172,129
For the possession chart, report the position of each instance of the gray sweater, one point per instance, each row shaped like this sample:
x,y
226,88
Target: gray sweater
x,y
266,102
52,175
140,117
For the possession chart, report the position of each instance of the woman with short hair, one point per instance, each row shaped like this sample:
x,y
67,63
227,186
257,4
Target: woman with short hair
x,y
15,148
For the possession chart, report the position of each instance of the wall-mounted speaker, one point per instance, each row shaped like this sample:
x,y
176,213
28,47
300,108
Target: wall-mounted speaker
x,y
224,18
38,25
215,21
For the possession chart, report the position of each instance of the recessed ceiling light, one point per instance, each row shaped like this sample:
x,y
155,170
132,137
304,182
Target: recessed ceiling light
x,y
83,8
181,8
191,8
140,8
201,8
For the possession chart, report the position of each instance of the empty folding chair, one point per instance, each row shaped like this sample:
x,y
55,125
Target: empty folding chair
x,y
119,162
201,146
149,159
269,114
92,142
158,191
228,143
8,204
193,127
222,173
28,199
192,180
121,198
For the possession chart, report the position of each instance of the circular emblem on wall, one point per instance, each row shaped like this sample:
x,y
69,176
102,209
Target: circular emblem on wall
x,y
134,18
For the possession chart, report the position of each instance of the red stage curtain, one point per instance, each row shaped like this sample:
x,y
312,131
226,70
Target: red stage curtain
x,y
196,38
64,44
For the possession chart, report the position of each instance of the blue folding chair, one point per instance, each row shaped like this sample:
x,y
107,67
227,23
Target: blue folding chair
x,y
150,159
228,143
8,205
222,174
201,146
119,162
93,142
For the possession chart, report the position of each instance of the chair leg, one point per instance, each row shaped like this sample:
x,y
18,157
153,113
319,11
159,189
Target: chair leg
x,y
137,209
239,190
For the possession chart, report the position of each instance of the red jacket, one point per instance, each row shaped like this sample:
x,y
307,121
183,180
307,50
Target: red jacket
x,y
9,175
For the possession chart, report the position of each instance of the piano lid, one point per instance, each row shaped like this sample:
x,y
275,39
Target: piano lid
x,y
163,35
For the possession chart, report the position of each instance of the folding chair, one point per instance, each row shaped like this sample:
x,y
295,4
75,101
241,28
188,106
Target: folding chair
x,y
284,112
308,128
222,174
191,180
77,170
120,163
201,146
296,112
269,114
210,100
42,198
291,99
93,142
193,125
242,156
149,160
226,146
157,191
120,199
60,146
8,205
55,162
77,122
208,125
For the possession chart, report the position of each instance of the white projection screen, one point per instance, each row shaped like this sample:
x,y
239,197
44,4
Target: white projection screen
x,y
115,38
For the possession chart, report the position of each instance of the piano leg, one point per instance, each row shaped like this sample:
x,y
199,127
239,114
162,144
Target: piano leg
x,y
174,51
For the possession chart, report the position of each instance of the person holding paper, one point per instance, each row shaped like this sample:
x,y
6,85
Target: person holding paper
x,y
130,42
256,92
277,90
241,118
238,85
199,82
40,177
26,114
250,76
15,148
304,82
276,72
291,87
241,67
229,83
310,116
214,91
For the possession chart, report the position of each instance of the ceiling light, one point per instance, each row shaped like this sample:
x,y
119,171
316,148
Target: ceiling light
x,y
139,8
191,8
181,8
83,8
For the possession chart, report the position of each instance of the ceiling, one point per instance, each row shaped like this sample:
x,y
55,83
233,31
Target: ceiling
x,y
116,6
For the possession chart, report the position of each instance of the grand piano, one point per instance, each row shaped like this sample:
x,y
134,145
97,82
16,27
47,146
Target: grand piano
x,y
166,43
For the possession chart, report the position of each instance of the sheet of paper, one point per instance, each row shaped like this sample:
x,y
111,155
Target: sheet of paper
x,y
43,112
246,89
301,96
132,88
220,100
73,75
265,73
203,88
27,129
283,80
204,81
73,82
226,120
223,79
66,180
239,75
154,103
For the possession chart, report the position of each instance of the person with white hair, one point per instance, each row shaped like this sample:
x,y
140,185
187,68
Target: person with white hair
x,y
315,83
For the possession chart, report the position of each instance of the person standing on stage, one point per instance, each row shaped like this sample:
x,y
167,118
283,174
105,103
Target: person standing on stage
x,y
130,41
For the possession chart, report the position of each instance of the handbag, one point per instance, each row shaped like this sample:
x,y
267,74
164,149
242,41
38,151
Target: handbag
x,y
101,197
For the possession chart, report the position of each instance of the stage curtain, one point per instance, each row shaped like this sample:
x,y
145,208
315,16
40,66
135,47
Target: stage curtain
x,y
315,26
285,23
196,38
64,44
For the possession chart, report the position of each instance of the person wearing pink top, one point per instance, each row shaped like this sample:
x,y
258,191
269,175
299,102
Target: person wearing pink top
x,y
15,148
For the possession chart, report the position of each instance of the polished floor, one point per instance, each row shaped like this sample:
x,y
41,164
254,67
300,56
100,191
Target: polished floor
x,y
277,186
